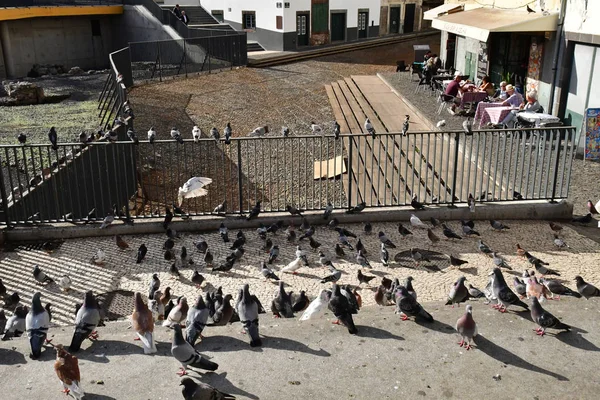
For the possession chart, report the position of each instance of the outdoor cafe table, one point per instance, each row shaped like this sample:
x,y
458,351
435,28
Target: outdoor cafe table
x,y
480,113
537,118
495,115
472,97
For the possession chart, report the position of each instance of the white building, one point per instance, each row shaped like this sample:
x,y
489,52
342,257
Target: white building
x,y
288,25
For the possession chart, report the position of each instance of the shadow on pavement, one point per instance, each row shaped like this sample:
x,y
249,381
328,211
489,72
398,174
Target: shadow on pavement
x,y
11,357
93,396
231,343
375,333
223,384
576,340
501,354
100,350
436,325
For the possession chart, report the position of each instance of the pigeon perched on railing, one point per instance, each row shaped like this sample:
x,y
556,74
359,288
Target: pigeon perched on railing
x,y
151,135
405,125
176,135
196,133
316,129
227,133
336,130
53,137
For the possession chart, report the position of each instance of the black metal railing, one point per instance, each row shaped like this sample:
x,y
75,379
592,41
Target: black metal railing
x,y
42,185
113,97
39,3
164,58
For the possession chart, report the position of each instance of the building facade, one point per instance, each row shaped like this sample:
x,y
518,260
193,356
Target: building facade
x,y
404,16
289,25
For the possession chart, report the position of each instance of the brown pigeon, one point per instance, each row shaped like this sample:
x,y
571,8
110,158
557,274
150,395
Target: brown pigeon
x,y
466,327
143,324
67,370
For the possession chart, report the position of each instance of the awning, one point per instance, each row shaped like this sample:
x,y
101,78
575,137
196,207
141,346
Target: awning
x,y
443,9
478,23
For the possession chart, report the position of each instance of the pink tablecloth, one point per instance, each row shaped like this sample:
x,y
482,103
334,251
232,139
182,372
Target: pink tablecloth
x,y
472,97
495,115
481,116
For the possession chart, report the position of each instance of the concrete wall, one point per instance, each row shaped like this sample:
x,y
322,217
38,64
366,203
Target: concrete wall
x,y
137,24
385,28
66,41
582,19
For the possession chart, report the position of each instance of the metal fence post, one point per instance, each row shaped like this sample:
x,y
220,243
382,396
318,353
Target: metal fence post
x,y
185,57
556,163
455,170
239,161
209,66
159,64
4,197
350,142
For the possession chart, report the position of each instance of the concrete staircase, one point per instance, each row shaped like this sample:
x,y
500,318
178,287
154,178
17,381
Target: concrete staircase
x,y
254,46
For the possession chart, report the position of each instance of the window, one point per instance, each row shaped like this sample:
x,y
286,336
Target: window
x,y
249,20
218,14
279,22
96,31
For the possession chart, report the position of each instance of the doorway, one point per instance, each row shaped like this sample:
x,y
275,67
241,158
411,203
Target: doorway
x,y
363,24
409,18
302,29
394,19
450,51
338,26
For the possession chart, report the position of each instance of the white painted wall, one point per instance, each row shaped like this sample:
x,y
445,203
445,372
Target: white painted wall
x,y
581,20
266,10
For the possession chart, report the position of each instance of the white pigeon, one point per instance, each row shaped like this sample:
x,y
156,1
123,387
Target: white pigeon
x,y
558,242
151,134
369,127
597,205
194,187
65,283
260,131
300,252
468,126
175,133
99,258
317,306
441,123
293,266
196,133
316,129
416,222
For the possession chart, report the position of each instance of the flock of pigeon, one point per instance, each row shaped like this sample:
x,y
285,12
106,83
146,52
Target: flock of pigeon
x,y
342,300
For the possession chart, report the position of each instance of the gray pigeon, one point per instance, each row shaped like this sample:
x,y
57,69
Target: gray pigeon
x,y
459,292
247,309
585,289
187,355
409,287
499,261
362,260
40,276
197,317
407,306
484,248
385,255
341,308
193,390
497,225
557,288
520,286
281,306
36,324
544,319
335,275
88,318
223,312
267,272
503,293
387,242
154,286
15,326
466,327
474,292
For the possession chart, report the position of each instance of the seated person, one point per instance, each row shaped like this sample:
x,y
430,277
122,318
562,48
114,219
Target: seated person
x,y
452,91
437,62
514,98
487,86
427,56
503,95
531,105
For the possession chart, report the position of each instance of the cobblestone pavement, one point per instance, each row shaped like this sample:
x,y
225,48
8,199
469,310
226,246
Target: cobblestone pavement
x,y
121,271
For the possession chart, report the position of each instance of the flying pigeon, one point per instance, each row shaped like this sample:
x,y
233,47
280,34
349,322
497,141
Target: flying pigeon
x,y
66,367
316,129
196,390
544,319
458,293
247,308
369,127
407,306
503,293
143,324
466,327
88,318
187,355
196,321
281,306
341,308
37,323
260,131
194,187
196,133
405,124
176,135
585,289
317,306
